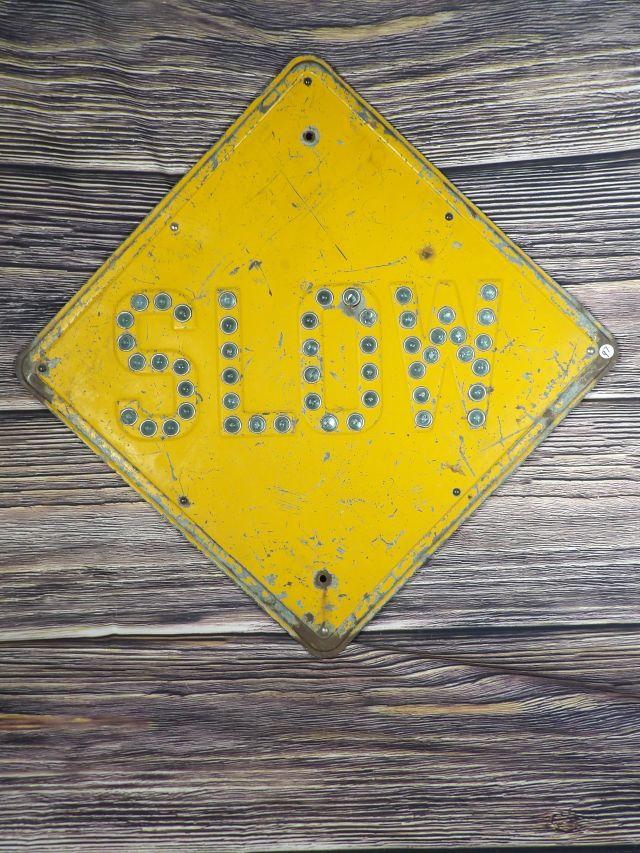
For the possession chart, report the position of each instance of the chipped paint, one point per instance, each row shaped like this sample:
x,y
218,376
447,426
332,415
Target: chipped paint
x,y
244,460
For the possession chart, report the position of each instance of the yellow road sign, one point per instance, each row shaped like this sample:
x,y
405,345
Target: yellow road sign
x,y
316,357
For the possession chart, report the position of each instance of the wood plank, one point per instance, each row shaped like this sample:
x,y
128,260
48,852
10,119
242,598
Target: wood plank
x,y
228,745
145,85
604,656
81,554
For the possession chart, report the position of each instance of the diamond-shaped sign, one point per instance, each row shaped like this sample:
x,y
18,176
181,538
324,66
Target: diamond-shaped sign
x,y
316,357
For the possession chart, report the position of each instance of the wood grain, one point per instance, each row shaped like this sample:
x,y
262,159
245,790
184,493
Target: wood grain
x,y
147,85
496,699
228,744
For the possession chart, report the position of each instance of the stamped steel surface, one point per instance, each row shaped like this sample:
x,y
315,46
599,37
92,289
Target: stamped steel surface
x,y
316,356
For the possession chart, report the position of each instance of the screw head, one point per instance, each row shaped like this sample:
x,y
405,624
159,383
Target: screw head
x,y
227,299
324,297
137,361
159,361
329,422
404,295
257,423
162,301
355,421
232,424
312,402
368,317
182,313
228,325
171,427
423,419
231,401
282,424
309,320
351,297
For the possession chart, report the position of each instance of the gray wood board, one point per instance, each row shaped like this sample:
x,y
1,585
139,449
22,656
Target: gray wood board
x,y
496,698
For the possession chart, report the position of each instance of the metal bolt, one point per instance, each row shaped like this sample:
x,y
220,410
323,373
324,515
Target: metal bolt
x,y
309,320
417,370
355,421
489,292
484,342
329,422
174,226
139,302
476,417
228,325
408,319
431,355
137,361
404,295
465,353
185,389
148,428
421,394
370,399
477,392
227,300
423,419
282,423
480,367
229,350
369,371
351,297
312,402
182,313
437,336
181,366
128,416
232,424
311,347
171,427
486,317
186,411
324,297
368,317
446,315
368,344
311,374
126,342
231,401
458,335
125,319
159,361
412,345
162,301
230,376
257,423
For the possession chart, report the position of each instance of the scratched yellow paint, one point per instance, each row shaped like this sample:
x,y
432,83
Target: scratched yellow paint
x,y
312,192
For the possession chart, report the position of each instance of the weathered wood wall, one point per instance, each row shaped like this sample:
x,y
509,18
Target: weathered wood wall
x,y
145,703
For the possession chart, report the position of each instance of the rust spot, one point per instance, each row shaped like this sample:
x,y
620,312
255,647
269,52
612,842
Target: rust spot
x,y
426,252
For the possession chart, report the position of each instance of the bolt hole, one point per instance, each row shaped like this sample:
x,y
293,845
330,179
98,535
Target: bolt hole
x,y
42,368
183,500
323,579
174,226
448,216
310,136
456,492
308,81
